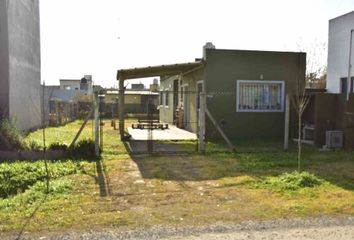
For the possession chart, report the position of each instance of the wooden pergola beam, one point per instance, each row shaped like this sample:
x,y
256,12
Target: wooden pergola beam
x,y
161,70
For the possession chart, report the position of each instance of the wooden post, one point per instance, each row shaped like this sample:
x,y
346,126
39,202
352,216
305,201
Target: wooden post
x,y
287,120
121,108
231,146
97,121
201,122
81,128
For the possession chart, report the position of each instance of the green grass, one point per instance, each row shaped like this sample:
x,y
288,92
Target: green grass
x,y
126,191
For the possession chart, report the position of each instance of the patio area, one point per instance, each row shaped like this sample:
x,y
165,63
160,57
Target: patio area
x,y
171,134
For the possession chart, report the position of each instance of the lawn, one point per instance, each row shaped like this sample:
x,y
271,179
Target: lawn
x,y
133,191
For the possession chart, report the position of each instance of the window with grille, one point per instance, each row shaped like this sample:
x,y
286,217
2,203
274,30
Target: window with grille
x,y
259,96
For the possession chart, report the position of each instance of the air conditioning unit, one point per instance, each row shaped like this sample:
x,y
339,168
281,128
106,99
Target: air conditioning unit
x,y
334,139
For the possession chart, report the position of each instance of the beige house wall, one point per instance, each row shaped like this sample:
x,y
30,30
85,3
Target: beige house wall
x,y
189,81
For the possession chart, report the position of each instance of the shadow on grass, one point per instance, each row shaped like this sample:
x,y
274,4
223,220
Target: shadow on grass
x,y
28,220
102,179
258,164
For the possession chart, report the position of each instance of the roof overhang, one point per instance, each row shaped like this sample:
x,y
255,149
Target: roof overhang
x,y
161,70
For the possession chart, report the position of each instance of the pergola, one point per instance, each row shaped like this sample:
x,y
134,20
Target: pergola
x,y
150,71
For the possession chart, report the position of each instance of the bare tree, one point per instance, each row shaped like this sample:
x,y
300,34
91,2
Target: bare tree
x,y
316,70
300,100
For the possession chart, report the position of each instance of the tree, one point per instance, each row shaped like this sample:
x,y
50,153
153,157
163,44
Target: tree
x,y
316,69
300,101
315,77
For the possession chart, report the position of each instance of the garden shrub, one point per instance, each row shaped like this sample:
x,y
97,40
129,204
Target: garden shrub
x,y
10,137
58,146
33,146
84,149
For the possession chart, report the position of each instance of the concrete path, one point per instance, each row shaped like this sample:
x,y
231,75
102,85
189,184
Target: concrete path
x,y
172,133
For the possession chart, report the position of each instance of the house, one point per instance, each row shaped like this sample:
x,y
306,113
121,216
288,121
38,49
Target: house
x,y
20,68
329,116
245,90
135,101
84,84
340,54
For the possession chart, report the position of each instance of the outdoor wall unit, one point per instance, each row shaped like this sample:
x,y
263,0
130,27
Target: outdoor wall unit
x,y
334,139
308,132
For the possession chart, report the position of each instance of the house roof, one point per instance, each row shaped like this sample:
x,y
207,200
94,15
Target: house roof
x,y
160,70
129,92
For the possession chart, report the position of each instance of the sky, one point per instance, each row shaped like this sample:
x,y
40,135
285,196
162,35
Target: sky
x,y
98,37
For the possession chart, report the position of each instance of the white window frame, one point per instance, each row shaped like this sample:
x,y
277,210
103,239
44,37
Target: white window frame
x,y
161,98
166,96
239,82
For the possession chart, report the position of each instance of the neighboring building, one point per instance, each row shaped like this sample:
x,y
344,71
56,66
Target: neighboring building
x,y
20,66
84,84
340,34
154,87
138,86
135,101
245,90
60,105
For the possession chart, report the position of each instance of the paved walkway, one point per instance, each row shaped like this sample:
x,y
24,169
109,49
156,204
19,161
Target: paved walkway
x,y
172,133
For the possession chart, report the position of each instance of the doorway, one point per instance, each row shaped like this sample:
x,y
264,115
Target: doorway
x,y
185,100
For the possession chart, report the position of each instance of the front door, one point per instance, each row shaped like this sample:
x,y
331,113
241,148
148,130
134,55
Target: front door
x,y
185,98
200,88
175,100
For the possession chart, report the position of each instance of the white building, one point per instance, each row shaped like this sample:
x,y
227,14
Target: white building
x,y
83,85
20,63
339,38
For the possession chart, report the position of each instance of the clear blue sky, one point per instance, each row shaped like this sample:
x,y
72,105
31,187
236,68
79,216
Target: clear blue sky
x,y
99,37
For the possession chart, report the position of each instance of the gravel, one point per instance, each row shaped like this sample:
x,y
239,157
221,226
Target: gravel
x,y
322,228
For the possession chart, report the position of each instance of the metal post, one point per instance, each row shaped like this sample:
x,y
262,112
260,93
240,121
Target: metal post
x,y
121,108
349,64
287,120
96,105
201,123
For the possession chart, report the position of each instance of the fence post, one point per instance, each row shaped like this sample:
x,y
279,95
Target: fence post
x,y
121,108
201,122
96,106
287,120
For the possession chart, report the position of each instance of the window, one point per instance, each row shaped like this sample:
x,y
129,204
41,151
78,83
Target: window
x,y
161,98
344,85
167,98
259,96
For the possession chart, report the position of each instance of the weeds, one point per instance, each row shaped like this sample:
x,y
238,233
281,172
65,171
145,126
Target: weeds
x,y
290,182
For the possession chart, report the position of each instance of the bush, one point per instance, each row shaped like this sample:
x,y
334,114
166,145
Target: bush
x,y
291,181
33,146
58,146
84,149
10,137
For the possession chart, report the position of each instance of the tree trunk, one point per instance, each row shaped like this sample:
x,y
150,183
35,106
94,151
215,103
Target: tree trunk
x,y
299,145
